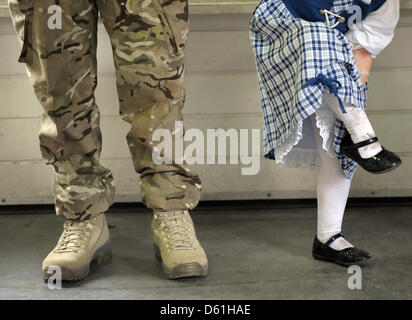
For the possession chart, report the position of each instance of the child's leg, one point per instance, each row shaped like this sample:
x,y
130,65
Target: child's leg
x,y
332,192
357,123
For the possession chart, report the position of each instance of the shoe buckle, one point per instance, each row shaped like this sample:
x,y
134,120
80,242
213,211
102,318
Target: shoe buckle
x,y
327,14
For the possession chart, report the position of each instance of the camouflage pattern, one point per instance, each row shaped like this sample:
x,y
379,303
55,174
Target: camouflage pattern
x,y
148,39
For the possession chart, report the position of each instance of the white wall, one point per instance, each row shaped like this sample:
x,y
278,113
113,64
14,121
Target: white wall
x,y
222,93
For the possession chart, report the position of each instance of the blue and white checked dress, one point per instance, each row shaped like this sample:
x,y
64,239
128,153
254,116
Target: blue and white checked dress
x,y
297,61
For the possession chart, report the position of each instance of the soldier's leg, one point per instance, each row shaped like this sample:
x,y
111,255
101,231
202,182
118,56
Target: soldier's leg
x,y
61,60
148,39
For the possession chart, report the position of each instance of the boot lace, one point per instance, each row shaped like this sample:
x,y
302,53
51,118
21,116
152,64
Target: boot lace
x,y
178,231
74,233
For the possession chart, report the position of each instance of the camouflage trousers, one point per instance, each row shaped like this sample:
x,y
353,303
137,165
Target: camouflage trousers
x,y
148,38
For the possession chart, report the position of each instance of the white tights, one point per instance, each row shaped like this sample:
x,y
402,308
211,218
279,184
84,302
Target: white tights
x,y
356,122
332,193
333,188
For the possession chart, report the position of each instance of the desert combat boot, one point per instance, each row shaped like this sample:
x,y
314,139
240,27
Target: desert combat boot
x,y
177,246
81,243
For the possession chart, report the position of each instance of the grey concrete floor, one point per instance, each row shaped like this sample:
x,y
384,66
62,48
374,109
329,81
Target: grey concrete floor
x,y
253,254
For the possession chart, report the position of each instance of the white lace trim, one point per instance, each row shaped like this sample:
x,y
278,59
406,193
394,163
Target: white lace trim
x,y
290,156
356,46
292,140
325,121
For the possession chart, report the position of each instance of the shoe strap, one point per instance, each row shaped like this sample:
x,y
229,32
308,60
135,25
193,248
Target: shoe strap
x,y
333,238
366,143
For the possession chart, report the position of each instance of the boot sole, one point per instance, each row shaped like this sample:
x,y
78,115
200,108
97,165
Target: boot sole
x,y
103,254
343,264
184,270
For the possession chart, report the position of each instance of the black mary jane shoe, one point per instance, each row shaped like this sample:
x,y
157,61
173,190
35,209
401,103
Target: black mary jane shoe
x,y
384,161
346,257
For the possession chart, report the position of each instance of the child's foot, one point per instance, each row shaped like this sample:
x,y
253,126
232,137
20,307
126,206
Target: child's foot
x,y
346,257
382,162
